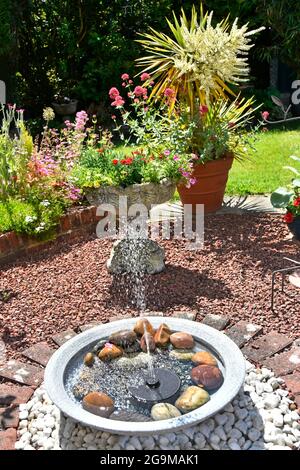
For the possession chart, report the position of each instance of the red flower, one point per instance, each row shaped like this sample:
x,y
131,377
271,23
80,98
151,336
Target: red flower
x,y
127,161
265,115
115,161
139,91
288,218
125,76
145,76
296,203
113,93
101,150
203,109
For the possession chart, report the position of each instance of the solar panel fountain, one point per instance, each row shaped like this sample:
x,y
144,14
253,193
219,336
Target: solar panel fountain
x,y
144,375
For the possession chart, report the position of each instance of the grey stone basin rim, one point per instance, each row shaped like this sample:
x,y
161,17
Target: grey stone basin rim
x,y
225,348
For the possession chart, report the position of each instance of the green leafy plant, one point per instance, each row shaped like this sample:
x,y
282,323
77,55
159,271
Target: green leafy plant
x,y
289,197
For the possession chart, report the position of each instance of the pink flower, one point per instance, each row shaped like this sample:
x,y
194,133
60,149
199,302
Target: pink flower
x,y
125,76
175,157
169,92
136,100
167,152
193,181
113,93
118,101
265,115
145,76
203,109
123,84
130,82
146,109
81,120
139,91
114,117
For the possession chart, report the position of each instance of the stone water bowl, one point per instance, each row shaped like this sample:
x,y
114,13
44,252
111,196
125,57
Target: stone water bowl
x,y
66,358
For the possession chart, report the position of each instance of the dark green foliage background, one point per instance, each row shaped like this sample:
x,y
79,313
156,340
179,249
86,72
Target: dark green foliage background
x,y
80,47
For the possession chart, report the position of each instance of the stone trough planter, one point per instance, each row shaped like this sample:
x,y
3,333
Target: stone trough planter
x,y
146,193
64,361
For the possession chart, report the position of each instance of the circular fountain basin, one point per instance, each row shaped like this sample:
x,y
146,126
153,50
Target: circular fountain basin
x,y
65,359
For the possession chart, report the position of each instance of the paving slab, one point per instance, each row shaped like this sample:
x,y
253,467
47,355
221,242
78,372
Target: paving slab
x,y
22,373
8,439
266,346
40,353
292,382
63,337
153,314
88,326
2,352
284,363
9,417
219,322
120,317
185,315
242,332
13,394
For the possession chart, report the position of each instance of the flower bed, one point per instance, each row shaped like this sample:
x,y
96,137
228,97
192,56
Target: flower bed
x,y
74,224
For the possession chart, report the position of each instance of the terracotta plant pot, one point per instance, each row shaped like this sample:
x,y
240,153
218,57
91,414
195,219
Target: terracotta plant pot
x,y
210,186
294,228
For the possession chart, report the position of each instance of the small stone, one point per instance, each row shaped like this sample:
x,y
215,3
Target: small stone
x,y
23,415
235,434
164,411
143,325
181,340
98,403
254,435
183,355
109,352
162,336
204,358
233,445
209,377
192,398
219,431
123,338
241,426
241,413
147,341
276,447
221,419
271,401
89,359
99,345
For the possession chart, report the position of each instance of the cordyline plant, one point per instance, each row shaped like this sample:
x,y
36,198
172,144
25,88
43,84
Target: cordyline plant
x,y
198,60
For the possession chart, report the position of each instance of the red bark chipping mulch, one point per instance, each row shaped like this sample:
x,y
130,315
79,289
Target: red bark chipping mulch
x,y
66,286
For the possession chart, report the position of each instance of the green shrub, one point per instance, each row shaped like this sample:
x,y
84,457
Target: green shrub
x,y
33,219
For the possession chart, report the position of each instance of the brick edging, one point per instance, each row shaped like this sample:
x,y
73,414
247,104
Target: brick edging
x,y
74,224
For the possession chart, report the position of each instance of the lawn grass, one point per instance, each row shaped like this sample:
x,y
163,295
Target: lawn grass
x,y
264,172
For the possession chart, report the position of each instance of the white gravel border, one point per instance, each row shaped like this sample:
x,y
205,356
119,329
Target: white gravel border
x,y
259,418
